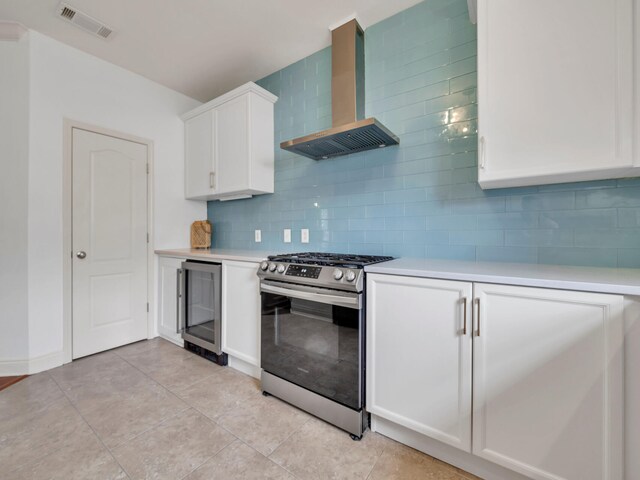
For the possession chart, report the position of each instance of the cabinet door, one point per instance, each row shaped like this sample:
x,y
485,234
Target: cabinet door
x,y
232,145
419,355
241,311
167,298
547,382
555,91
199,156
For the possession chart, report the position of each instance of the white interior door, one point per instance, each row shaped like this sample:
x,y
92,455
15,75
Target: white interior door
x,y
109,242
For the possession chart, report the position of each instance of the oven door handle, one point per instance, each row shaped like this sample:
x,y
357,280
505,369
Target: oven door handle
x,y
338,300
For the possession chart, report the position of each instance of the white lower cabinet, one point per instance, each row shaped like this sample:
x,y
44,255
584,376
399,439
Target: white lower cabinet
x,y
167,298
547,372
547,383
241,311
419,357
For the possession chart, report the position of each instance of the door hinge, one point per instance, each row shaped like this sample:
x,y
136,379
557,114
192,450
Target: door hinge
x,y
147,168
147,307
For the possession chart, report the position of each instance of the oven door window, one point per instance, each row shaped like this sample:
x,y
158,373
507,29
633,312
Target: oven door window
x,y
314,345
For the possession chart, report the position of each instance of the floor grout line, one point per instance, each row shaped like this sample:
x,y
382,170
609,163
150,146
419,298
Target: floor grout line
x,y
268,457
184,405
291,435
385,446
44,408
153,379
169,417
188,406
209,458
375,463
90,427
155,382
211,419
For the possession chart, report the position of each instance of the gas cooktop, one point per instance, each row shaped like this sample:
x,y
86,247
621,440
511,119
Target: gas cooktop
x,y
329,259
327,270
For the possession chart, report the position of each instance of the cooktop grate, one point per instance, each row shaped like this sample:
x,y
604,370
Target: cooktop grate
x,y
329,259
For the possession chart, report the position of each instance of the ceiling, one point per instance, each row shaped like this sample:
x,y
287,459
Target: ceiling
x,y
202,48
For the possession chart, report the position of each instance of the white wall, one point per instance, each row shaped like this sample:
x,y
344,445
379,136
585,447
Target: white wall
x,y
67,83
14,109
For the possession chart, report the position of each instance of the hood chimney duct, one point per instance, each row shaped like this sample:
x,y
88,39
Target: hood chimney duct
x,y
350,131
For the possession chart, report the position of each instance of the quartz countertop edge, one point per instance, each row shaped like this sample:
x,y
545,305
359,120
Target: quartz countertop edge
x,y
621,281
215,254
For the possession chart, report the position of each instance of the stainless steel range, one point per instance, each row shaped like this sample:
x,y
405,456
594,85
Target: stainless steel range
x,y
313,334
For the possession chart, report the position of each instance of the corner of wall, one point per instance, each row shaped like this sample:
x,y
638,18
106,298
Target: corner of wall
x,y
14,136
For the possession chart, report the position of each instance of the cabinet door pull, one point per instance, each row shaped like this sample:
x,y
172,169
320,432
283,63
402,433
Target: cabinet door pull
x,y
211,179
464,325
179,301
483,156
478,308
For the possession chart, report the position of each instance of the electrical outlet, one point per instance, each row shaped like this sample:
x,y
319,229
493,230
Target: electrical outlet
x,y
304,235
258,234
287,235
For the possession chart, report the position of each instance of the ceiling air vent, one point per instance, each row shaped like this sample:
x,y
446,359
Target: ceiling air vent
x,y
67,13
84,21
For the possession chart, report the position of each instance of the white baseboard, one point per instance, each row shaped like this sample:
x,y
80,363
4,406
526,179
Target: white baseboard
x,y
171,338
29,366
244,367
451,455
234,362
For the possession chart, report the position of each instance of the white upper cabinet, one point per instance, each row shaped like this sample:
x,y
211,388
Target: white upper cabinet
x,y
232,142
555,91
229,146
200,165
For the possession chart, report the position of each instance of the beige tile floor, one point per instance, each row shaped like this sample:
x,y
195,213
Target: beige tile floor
x,y
151,410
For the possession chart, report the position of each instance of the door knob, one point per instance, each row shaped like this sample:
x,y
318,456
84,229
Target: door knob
x,y
81,255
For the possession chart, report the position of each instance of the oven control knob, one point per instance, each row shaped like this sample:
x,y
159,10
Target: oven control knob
x,y
350,276
337,274
281,269
264,265
272,267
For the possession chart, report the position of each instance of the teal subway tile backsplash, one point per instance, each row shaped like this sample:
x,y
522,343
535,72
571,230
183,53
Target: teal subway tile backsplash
x,y
596,257
506,254
629,257
629,217
420,199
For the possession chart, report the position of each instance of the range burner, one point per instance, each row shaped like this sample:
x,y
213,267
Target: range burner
x,y
329,259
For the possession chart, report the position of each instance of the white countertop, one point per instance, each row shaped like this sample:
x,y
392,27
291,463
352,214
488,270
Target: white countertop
x,y
622,281
215,254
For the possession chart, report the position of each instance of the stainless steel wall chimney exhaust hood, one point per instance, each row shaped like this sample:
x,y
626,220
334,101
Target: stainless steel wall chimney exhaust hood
x,y
350,131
